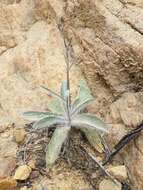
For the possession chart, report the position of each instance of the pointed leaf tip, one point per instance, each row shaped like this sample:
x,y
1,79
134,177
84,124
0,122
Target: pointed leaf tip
x,y
89,120
83,98
48,122
35,115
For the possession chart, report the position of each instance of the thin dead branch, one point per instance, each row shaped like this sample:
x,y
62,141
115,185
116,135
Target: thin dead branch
x,y
132,135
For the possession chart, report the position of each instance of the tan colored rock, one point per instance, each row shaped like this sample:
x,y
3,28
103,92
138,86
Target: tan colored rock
x,y
133,159
44,10
58,6
22,172
32,163
119,172
14,22
3,126
7,1
7,184
130,14
68,180
5,135
7,165
19,135
128,109
8,148
25,188
109,185
109,45
110,68
116,132
28,66
134,2
24,65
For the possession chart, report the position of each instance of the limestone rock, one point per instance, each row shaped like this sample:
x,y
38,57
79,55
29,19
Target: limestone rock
x,y
109,185
58,6
27,66
22,172
7,1
128,109
25,188
119,172
4,125
7,165
32,163
7,184
109,45
71,179
135,2
19,135
8,148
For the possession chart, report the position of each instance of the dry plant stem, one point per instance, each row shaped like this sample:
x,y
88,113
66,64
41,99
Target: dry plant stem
x,y
61,133
52,92
25,147
67,48
106,148
69,55
68,84
100,166
125,140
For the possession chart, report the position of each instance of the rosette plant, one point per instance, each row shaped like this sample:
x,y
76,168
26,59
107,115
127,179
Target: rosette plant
x,y
64,114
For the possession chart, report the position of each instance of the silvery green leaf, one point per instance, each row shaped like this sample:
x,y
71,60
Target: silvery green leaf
x,y
89,120
83,98
35,115
54,147
64,92
94,139
48,122
56,106
81,107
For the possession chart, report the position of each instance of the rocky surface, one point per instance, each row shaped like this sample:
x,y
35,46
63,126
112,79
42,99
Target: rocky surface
x,y
15,175
7,184
109,185
22,172
66,181
119,172
19,135
31,54
107,37
108,42
7,165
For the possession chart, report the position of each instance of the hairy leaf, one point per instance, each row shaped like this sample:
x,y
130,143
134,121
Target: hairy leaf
x,y
90,121
48,122
54,147
56,106
94,139
83,98
35,115
64,92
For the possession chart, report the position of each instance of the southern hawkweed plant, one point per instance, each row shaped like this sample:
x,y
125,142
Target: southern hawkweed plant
x,y
65,114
